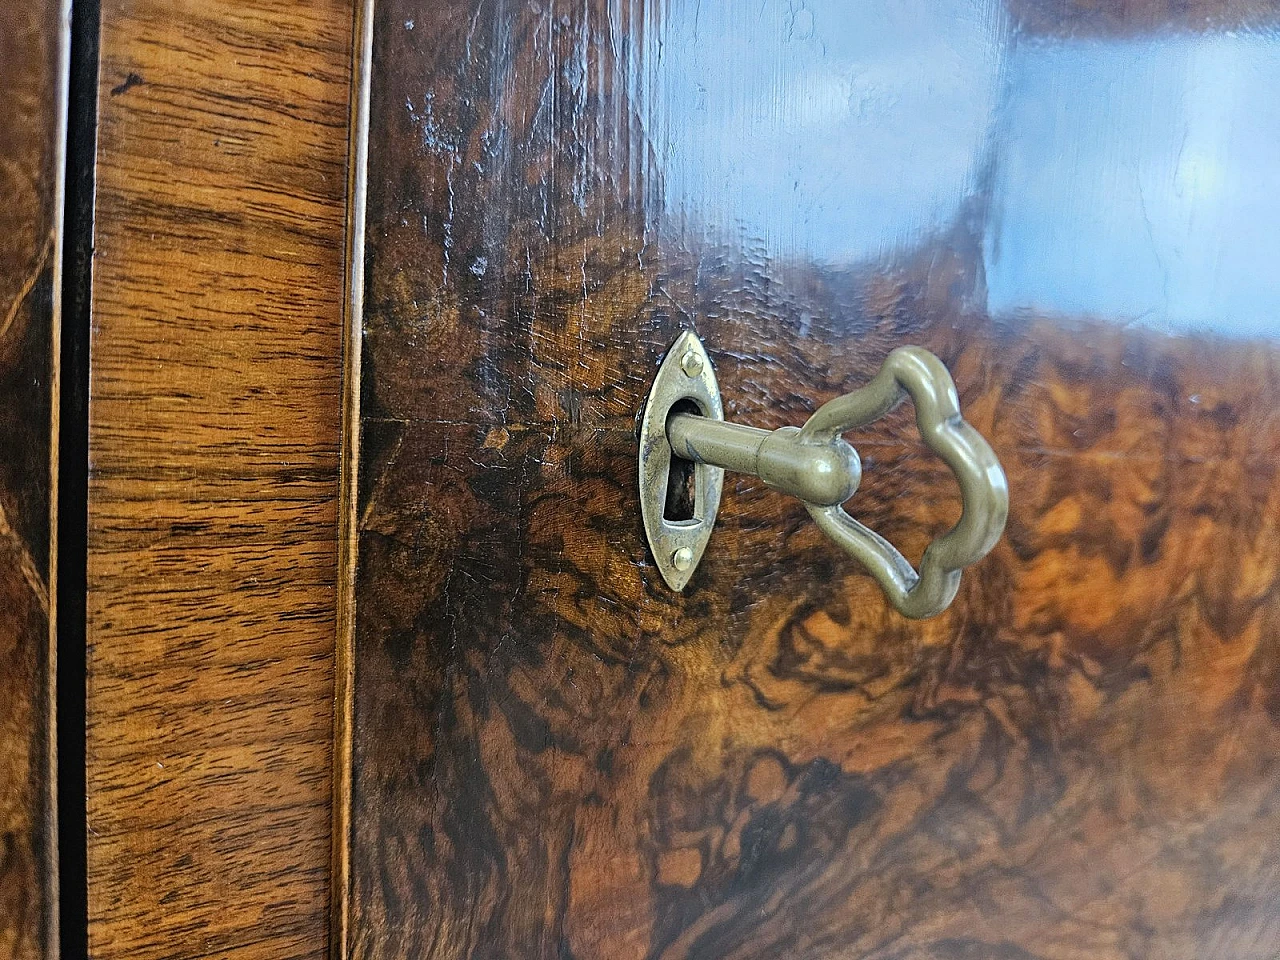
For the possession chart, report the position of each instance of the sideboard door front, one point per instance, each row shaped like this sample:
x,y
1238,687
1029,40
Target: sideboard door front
x,y
557,755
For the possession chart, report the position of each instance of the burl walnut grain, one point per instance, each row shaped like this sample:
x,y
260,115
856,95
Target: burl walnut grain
x,y
32,40
555,756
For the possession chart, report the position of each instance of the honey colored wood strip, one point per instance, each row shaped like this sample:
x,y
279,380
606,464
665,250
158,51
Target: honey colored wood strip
x,y
215,430
33,73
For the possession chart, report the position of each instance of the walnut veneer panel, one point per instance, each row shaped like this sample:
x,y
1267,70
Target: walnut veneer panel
x,y
33,42
557,757
214,445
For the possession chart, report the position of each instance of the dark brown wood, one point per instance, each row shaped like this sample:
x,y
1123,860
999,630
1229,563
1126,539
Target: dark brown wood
x,y
555,756
1084,18
215,426
33,42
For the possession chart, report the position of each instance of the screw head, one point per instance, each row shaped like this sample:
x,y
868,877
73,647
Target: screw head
x,y
682,559
691,363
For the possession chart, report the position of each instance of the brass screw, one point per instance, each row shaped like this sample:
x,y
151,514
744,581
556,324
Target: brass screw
x,y
691,364
682,559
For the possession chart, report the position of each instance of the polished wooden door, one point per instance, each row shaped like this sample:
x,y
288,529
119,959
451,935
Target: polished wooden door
x,y
554,755
409,684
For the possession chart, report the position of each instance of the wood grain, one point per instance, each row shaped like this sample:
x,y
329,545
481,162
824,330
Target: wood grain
x,y
33,43
215,426
557,757
1112,18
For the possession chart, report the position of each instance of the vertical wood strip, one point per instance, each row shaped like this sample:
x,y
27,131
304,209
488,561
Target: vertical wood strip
x,y
215,429
344,680
33,73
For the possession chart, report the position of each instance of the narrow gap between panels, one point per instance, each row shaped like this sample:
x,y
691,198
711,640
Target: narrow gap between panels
x,y
73,478
353,314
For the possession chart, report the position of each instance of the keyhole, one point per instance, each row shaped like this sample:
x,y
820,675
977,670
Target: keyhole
x,y
682,481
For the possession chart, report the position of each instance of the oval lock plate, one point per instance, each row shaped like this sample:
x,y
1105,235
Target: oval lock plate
x,y
678,544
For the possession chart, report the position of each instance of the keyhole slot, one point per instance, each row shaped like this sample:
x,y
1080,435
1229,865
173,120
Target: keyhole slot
x,y
682,476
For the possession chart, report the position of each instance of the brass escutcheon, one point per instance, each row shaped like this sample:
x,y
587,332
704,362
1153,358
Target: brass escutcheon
x,y
816,464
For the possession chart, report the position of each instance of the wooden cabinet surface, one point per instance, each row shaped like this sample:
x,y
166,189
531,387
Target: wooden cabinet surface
x,y
32,118
377,662
219,284
557,756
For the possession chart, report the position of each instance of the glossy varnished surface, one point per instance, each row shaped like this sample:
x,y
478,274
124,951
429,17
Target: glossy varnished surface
x,y
555,756
32,44
215,426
